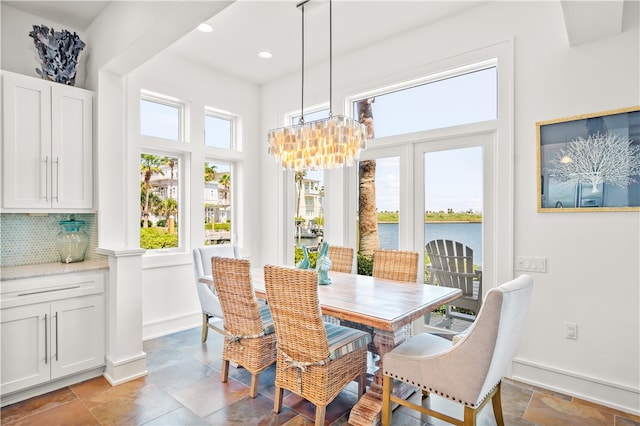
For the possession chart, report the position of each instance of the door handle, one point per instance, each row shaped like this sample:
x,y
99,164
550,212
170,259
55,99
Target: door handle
x,y
56,336
46,341
57,180
46,180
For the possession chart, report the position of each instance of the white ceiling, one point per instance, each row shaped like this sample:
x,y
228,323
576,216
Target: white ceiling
x,y
75,14
248,26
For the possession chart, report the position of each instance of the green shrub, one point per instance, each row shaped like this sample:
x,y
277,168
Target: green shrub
x,y
222,226
156,238
365,265
298,256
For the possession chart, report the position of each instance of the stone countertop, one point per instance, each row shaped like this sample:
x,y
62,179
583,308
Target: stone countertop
x,y
43,269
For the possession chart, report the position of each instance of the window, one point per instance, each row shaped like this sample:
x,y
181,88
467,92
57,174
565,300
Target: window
x,y
445,191
218,131
461,99
160,118
221,176
161,183
159,205
309,199
186,178
218,179
387,188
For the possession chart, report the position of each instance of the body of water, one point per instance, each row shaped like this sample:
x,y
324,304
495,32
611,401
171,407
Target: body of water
x,y
469,234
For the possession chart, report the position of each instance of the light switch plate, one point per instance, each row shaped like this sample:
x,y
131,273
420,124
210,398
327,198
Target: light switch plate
x,y
531,264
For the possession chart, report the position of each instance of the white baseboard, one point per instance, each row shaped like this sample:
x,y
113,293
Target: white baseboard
x,y
618,396
151,330
122,371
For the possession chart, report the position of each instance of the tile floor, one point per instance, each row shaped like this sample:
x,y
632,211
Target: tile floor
x,y
183,388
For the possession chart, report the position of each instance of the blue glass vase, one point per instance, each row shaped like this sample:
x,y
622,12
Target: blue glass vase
x,y
72,242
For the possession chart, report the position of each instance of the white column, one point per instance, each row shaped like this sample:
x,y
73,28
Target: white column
x,y
125,358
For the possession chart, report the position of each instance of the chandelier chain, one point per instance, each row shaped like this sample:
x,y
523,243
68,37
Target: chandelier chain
x,y
302,89
330,59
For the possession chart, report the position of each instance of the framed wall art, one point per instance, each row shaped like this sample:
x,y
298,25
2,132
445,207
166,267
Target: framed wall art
x,y
589,163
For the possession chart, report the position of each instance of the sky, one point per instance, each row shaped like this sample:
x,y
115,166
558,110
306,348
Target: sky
x,y
453,177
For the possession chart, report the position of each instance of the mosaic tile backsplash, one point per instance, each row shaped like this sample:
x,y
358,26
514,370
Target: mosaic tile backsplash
x,y
30,239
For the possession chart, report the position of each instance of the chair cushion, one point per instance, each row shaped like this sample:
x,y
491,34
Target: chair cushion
x,y
267,321
343,340
424,344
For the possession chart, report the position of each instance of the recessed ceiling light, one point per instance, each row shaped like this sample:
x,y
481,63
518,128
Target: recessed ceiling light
x,y
205,28
263,54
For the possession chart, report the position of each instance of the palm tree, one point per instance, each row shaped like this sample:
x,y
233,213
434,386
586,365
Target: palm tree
x,y
209,172
299,178
149,166
225,181
169,207
153,201
368,220
171,162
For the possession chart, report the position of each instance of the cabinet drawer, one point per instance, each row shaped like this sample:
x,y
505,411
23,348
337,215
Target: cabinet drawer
x,y
49,288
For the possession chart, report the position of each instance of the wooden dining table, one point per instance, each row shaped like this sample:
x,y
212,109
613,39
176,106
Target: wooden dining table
x,y
383,305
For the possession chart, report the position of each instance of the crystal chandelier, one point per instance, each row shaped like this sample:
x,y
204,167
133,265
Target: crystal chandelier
x,y
328,143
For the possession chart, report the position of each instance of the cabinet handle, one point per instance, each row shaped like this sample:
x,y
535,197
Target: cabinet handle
x,y
57,180
56,336
48,291
46,341
46,179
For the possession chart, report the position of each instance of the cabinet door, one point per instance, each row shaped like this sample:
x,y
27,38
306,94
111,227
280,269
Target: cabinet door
x,y
27,161
25,344
77,335
71,142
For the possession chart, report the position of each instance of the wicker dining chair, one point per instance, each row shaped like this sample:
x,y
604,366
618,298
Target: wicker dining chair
x,y
315,360
395,265
250,340
341,258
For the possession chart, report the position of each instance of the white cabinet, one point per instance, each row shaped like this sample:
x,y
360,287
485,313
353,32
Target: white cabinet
x,y
47,145
51,328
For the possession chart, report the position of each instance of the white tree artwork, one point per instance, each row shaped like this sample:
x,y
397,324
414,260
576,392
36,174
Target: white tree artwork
x,y
600,158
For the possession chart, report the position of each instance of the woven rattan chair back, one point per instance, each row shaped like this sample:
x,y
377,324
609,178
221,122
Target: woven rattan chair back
x,y
305,365
341,258
249,334
395,265
292,295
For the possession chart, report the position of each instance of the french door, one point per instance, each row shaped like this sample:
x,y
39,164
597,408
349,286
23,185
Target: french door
x,y
453,195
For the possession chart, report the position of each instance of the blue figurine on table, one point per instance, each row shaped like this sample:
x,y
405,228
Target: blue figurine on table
x,y
304,263
323,264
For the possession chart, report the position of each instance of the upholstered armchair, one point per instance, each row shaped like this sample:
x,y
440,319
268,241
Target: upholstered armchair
x,y
209,302
468,370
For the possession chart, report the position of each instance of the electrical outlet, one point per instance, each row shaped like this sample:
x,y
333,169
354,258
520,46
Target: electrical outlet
x,y
571,330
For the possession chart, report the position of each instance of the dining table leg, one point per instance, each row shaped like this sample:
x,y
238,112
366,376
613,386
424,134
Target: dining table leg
x,y
368,409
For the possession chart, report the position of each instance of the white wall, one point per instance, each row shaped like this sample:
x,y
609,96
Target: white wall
x,y
593,273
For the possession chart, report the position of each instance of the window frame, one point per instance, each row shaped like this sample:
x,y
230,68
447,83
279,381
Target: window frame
x,y
149,96
234,142
501,56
